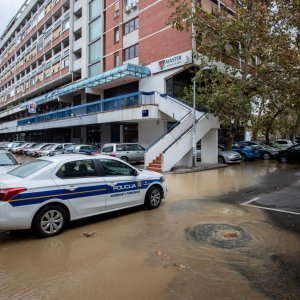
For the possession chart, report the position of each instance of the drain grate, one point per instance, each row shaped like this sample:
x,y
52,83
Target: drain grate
x,y
219,235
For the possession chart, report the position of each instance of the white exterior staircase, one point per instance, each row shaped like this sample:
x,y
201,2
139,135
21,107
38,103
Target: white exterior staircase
x,y
172,147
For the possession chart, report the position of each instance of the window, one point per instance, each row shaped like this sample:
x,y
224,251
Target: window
x,y
29,168
108,149
47,40
95,29
117,9
116,59
116,168
65,63
40,45
116,35
131,52
77,169
95,9
131,26
7,159
95,69
66,24
95,51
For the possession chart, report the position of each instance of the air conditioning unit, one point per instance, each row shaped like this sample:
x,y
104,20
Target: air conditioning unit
x,y
127,9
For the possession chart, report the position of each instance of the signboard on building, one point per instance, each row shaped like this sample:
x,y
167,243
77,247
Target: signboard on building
x,y
32,107
171,62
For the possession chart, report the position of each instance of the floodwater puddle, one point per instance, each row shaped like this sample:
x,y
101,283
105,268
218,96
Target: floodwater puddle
x,y
141,254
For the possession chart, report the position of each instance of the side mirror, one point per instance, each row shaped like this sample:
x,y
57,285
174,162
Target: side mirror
x,y
135,172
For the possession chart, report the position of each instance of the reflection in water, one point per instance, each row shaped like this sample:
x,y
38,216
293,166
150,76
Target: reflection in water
x,y
140,254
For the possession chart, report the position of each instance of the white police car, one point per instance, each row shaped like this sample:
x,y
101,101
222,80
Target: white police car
x,y
44,194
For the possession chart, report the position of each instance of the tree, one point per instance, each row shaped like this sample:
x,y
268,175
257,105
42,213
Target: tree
x,y
258,39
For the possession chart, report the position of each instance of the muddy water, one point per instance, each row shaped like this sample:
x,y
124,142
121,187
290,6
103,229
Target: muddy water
x,y
140,254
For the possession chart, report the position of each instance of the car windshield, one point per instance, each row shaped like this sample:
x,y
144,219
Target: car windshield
x,y
70,147
6,159
29,168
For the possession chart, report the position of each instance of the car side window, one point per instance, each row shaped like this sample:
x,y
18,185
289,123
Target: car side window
x,y
121,147
116,168
77,169
108,149
138,148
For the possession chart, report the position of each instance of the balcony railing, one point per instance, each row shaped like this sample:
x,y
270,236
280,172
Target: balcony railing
x,y
111,104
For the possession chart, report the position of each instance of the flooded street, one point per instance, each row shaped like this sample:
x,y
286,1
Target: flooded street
x,y
141,254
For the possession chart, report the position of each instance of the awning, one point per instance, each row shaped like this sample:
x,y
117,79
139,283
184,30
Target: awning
x,y
116,73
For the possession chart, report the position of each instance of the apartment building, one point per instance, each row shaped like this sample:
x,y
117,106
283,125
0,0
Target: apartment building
x,y
97,71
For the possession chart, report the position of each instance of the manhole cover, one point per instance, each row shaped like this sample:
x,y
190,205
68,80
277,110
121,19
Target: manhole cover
x,y
219,235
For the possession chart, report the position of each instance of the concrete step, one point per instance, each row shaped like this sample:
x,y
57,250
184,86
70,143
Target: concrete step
x,y
155,169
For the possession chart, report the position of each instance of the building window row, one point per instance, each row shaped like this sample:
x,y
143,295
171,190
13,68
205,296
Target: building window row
x,y
131,25
31,23
131,52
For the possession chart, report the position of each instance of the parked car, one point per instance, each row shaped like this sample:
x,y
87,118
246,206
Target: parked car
x,y
224,156
285,143
266,152
19,149
44,151
246,152
46,193
81,148
129,152
12,145
292,154
3,145
32,151
277,146
7,161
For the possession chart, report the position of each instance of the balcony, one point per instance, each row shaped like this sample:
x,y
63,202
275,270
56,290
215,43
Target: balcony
x,y
108,105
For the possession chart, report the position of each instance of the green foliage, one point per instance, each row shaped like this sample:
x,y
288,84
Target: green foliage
x,y
260,39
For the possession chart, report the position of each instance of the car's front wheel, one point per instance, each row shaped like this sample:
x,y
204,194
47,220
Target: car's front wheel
x,y
153,197
221,160
49,221
125,158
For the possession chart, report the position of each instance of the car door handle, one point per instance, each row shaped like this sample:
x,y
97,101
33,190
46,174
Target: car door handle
x,y
71,188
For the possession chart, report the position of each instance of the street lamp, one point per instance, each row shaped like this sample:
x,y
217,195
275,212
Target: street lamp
x,y
194,142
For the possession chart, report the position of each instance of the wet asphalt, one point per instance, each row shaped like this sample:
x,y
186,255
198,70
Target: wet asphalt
x,y
230,233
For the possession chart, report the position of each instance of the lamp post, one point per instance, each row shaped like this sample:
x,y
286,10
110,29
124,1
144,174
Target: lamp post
x,y
194,143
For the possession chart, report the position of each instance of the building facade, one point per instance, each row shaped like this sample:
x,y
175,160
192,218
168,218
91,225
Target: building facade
x,y
93,71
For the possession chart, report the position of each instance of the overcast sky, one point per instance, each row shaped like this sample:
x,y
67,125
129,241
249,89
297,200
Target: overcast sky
x,y
8,9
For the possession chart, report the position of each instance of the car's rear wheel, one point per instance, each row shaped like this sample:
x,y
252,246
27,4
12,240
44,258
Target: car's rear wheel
x,y
221,160
267,156
49,221
244,156
153,197
125,158
283,159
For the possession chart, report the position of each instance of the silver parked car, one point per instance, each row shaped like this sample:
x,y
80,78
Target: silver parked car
x,y
129,152
224,156
7,161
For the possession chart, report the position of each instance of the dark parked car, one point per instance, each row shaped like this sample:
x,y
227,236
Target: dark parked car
x,y
291,154
265,151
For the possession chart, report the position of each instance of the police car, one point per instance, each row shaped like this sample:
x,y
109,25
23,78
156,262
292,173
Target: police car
x,y
45,194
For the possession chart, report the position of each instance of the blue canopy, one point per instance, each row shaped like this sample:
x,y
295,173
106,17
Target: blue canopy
x,y
116,73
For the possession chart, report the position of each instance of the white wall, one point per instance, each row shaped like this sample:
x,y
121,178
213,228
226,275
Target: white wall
x,y
209,147
151,130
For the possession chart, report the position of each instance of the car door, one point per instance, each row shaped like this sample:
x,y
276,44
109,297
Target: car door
x,y
140,151
293,154
81,184
124,188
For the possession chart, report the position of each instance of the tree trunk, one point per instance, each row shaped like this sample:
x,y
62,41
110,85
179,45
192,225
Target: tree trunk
x,y
267,134
231,139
